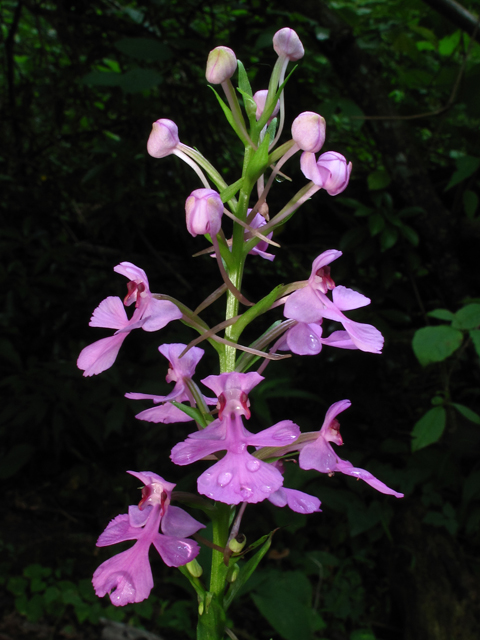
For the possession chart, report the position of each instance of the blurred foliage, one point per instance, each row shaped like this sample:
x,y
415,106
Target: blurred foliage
x,y
81,83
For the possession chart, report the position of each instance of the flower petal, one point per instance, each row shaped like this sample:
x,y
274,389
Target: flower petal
x,y
118,530
280,435
100,356
166,413
127,576
159,313
304,305
110,314
305,339
346,467
346,299
239,478
175,552
318,455
177,522
297,500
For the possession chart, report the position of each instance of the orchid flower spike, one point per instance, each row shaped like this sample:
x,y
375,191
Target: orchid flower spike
x,y
150,314
221,65
127,577
330,172
311,303
321,456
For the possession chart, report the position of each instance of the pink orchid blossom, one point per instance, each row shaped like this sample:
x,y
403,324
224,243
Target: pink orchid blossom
x,y
311,304
150,314
221,65
320,455
204,210
260,98
127,577
288,45
260,249
180,371
330,172
296,500
238,476
163,139
308,131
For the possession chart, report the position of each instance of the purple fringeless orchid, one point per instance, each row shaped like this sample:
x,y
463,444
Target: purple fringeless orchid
x,y
238,476
180,371
127,577
296,500
311,303
321,456
150,315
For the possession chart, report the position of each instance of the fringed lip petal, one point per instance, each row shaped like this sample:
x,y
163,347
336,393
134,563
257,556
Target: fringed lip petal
x,y
239,478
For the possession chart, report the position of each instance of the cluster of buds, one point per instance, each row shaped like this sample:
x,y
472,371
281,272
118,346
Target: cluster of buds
x,y
238,475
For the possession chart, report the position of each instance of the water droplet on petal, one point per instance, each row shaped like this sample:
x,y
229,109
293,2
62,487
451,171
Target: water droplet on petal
x,y
207,477
245,492
253,465
313,343
224,478
266,488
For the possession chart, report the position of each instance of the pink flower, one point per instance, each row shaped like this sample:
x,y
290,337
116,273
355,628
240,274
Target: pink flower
x,y
330,172
306,339
296,500
308,131
127,577
260,249
150,314
204,210
260,98
163,139
321,456
287,44
311,304
238,476
221,65
180,371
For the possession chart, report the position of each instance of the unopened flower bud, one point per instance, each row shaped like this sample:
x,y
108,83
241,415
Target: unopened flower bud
x,y
204,210
287,44
330,172
308,131
163,138
232,573
237,544
260,98
221,65
194,568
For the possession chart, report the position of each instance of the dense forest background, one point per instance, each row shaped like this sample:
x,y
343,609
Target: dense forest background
x,y
399,85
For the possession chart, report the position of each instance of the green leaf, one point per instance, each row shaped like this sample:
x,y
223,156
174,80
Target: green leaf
x,y
470,203
227,113
410,234
468,317
378,179
144,49
475,336
448,44
376,223
466,166
247,569
243,81
194,413
259,160
284,601
388,238
435,344
17,585
138,80
441,314
228,193
466,412
429,428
